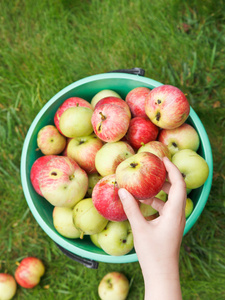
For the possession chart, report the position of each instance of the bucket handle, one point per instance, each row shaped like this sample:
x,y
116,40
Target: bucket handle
x,y
135,71
91,264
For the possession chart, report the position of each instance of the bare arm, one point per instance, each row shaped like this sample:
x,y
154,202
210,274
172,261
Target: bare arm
x,y
157,242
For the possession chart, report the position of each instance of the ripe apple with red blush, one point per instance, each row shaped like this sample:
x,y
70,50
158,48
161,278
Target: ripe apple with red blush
x,y
141,131
62,182
110,122
83,150
157,148
167,106
29,272
70,102
116,101
142,174
136,101
106,199
36,171
7,286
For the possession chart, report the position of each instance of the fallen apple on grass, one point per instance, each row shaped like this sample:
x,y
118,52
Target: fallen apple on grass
x,y
116,238
167,106
63,222
182,137
63,182
50,141
29,272
142,174
111,155
113,286
8,286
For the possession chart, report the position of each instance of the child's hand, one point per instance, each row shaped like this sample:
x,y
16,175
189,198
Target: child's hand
x,y
157,242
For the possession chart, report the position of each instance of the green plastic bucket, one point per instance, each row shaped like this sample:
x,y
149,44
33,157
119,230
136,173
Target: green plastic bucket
x,y
86,88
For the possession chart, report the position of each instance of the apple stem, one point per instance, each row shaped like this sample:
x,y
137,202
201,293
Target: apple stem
x,y
102,116
81,235
133,165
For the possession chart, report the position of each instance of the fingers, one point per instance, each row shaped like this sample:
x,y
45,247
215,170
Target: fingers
x,y
131,208
177,190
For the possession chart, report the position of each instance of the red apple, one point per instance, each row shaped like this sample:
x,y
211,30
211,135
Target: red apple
x,y
63,182
29,272
36,171
167,107
7,286
182,137
157,148
141,131
106,199
142,174
114,100
83,150
50,141
136,101
110,122
70,102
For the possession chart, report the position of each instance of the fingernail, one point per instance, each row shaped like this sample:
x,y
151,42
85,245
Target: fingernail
x,y
122,194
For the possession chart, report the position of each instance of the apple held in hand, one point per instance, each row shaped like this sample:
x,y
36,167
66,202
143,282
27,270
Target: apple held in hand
x,y
63,222
50,141
63,182
116,238
110,122
193,167
7,286
141,131
29,272
167,107
36,171
106,199
143,175
70,102
103,94
113,286
116,101
87,219
83,150
182,137
76,121
111,155
157,148
136,101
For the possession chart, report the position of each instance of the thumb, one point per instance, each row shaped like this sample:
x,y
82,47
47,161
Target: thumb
x,y
131,208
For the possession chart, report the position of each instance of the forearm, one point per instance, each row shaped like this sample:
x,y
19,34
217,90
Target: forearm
x,y
163,283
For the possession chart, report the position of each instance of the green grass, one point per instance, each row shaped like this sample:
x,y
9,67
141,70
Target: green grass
x,y
45,46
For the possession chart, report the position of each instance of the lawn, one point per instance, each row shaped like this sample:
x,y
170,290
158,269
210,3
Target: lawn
x,y
45,46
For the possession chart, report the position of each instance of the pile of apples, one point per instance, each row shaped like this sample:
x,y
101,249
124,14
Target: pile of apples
x,y
93,149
